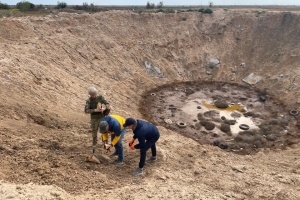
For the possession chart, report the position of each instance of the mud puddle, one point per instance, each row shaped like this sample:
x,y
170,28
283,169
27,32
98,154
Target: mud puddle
x,y
233,117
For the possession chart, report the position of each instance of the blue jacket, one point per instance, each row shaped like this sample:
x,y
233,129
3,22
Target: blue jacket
x,y
144,131
115,123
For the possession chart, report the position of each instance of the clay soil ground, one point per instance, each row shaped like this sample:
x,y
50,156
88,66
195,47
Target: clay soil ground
x,y
48,62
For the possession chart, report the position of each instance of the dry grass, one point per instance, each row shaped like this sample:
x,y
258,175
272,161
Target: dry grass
x,y
18,13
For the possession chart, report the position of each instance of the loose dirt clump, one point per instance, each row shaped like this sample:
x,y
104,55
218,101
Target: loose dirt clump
x,y
198,126
209,126
225,128
200,116
221,103
212,114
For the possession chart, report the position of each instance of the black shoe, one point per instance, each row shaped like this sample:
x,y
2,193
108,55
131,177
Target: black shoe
x,y
117,162
151,159
138,172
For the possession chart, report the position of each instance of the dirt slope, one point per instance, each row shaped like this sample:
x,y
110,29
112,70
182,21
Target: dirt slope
x,y
48,62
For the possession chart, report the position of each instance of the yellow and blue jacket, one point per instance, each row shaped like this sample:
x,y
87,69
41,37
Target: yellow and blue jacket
x,y
115,123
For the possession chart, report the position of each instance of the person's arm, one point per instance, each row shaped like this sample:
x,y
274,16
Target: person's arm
x,y
104,136
141,143
87,108
103,101
117,132
131,145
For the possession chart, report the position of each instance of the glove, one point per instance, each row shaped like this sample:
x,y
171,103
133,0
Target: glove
x,y
131,141
104,143
132,147
109,148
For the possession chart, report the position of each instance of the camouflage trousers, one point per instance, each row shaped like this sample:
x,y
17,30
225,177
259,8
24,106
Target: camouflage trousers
x,y
95,127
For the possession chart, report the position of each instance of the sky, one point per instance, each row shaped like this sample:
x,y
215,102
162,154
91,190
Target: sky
x,y
165,2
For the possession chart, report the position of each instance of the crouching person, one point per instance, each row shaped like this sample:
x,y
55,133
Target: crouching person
x,y
147,135
113,124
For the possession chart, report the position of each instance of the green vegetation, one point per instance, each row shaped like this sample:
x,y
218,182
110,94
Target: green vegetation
x,y
150,5
9,12
207,10
87,7
25,6
4,6
190,10
61,5
170,10
260,12
179,11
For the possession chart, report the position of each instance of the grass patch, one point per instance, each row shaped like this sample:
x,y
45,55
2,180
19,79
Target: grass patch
x,y
10,12
18,13
206,10
260,12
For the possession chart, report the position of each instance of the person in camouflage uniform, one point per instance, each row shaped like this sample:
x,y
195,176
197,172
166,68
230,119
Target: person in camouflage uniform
x,y
97,107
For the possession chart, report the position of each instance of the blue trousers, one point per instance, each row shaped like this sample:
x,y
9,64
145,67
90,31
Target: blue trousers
x,y
149,144
119,145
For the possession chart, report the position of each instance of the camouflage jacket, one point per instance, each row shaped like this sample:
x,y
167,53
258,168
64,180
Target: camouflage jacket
x,y
91,105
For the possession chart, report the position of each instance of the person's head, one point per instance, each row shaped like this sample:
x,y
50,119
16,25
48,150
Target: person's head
x,y
92,92
103,127
130,123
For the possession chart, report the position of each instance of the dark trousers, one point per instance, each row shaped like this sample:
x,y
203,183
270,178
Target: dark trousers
x,y
149,144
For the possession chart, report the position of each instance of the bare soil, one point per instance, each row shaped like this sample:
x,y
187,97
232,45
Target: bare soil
x,y
48,62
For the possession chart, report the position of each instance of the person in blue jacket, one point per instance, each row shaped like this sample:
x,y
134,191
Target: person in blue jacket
x,y
113,125
147,135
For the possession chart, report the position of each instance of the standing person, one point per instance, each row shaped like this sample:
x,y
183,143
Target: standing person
x,y
113,124
147,135
94,106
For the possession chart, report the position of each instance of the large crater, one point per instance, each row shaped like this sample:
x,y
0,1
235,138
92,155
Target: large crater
x,y
233,117
48,62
